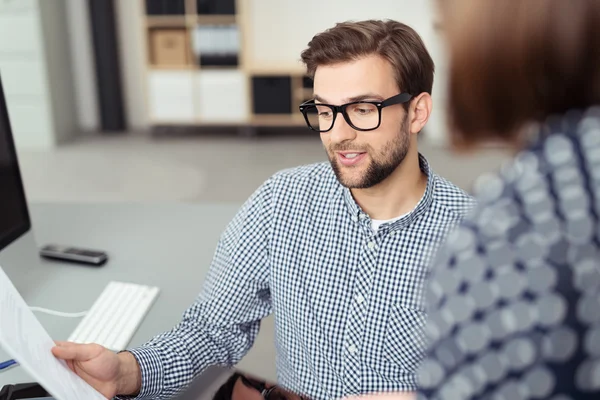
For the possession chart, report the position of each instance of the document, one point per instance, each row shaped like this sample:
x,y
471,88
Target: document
x,y
25,339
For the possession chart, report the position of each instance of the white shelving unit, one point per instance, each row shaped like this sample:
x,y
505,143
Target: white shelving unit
x,y
271,35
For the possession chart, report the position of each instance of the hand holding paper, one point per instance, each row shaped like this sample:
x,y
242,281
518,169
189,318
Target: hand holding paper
x,y
107,372
24,338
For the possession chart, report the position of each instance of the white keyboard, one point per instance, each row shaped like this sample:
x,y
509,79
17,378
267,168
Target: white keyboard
x,y
116,315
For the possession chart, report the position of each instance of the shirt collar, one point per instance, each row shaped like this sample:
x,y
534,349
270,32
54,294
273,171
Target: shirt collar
x,y
357,214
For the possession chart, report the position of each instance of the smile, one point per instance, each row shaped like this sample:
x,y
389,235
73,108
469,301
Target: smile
x,y
349,158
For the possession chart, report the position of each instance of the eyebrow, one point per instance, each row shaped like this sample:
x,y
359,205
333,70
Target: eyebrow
x,y
367,96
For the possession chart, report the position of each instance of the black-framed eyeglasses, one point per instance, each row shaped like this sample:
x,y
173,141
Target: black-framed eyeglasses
x,y
360,115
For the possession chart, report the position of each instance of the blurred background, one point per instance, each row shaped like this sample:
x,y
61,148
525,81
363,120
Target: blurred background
x,y
183,100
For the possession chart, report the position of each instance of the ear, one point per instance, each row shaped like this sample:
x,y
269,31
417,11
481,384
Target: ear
x,y
419,112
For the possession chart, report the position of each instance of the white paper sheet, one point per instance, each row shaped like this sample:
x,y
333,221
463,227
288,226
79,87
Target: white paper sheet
x,y
26,340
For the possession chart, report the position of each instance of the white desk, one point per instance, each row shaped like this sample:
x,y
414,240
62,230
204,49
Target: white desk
x,y
166,245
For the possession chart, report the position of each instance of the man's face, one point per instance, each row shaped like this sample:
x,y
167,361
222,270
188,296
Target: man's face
x,y
363,159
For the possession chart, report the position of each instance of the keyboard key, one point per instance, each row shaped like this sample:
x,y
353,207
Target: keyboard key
x,y
115,315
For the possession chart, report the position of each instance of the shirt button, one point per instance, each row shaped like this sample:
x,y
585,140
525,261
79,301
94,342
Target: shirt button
x,y
352,349
355,218
362,216
371,245
359,299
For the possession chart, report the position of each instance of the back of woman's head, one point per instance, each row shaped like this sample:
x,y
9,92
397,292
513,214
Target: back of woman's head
x,y
514,61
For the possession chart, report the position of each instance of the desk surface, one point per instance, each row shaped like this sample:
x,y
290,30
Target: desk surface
x,y
165,245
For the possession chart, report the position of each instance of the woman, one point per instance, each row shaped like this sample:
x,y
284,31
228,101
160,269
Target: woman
x,y
514,301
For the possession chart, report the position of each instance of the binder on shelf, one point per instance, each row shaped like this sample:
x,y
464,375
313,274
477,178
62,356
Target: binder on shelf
x,y
169,46
307,82
216,7
165,7
272,94
235,39
220,40
216,45
196,44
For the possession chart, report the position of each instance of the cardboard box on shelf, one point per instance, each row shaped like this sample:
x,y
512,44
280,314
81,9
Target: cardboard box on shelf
x,y
169,46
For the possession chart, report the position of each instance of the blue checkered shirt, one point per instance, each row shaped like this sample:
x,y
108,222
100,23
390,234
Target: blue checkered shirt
x,y
348,302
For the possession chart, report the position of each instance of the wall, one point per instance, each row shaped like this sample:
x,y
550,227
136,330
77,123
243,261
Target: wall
x,y
59,72
36,73
132,56
82,62
280,30
133,61
22,69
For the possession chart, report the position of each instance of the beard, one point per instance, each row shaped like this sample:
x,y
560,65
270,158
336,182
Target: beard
x,y
380,167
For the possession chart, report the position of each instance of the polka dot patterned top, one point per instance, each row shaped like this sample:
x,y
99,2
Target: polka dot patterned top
x,y
514,296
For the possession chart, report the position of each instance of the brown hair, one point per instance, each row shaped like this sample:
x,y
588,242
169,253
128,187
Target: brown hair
x,y
518,61
396,42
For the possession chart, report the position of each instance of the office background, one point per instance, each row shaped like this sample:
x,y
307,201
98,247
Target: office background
x,y
117,102
49,68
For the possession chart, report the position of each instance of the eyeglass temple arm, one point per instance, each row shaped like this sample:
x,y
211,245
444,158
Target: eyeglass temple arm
x,y
397,99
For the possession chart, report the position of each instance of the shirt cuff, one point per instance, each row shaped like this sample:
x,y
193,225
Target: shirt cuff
x,y
152,371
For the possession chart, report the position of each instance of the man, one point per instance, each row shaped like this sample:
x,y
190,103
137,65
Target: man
x,y
337,251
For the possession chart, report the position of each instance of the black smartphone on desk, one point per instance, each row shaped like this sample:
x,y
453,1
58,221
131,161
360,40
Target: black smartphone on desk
x,y
74,254
31,391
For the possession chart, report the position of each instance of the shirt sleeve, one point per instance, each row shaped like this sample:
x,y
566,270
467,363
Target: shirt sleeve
x,y
221,326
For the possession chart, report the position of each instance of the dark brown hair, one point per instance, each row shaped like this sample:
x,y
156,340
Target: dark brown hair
x,y
396,42
517,61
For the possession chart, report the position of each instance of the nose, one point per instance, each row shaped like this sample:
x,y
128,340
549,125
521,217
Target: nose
x,y
341,131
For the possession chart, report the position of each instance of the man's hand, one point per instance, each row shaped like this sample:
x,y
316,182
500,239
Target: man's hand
x,y
109,373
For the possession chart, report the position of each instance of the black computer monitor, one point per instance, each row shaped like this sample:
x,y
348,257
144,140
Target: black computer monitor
x,y
14,217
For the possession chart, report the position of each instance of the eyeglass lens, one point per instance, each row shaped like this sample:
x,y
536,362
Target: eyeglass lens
x,y
361,115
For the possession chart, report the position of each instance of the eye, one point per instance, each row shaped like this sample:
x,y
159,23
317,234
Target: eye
x,y
324,112
363,109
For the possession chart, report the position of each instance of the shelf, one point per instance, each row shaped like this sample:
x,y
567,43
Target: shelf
x,y
210,19
174,67
304,94
218,60
277,120
166,21
191,90
173,122
218,68
276,70
260,121
192,68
